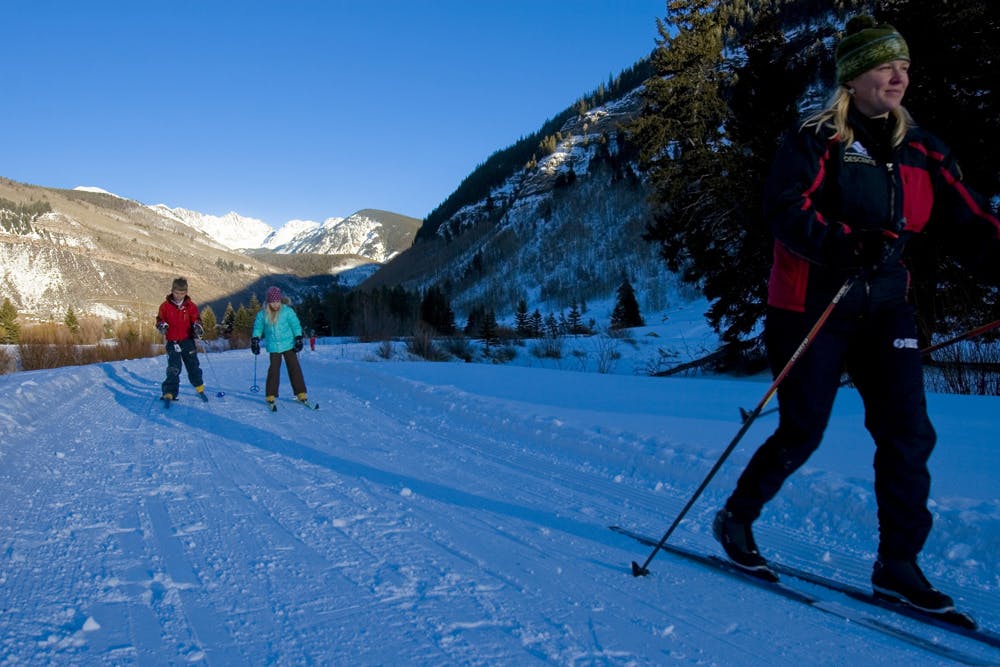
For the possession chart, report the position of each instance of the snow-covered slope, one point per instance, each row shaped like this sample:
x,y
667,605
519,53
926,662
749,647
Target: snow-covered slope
x,y
443,513
565,230
288,232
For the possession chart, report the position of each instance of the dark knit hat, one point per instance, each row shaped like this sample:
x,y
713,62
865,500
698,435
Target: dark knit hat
x,y
866,45
180,284
273,295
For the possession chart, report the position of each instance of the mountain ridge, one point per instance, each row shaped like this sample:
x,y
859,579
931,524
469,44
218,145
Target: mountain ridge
x,y
109,256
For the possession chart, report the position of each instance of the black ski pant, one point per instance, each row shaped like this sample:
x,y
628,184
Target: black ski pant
x,y
879,350
294,373
177,353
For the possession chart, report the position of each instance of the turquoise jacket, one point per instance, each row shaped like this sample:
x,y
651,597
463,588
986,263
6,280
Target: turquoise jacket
x,y
278,336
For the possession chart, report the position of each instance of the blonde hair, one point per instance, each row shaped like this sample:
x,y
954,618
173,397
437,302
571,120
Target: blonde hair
x,y
272,313
834,119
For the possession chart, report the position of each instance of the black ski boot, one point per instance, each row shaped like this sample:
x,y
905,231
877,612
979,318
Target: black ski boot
x,y
736,538
902,581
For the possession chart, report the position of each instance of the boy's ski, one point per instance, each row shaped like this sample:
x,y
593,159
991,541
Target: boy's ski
x,y
308,404
956,622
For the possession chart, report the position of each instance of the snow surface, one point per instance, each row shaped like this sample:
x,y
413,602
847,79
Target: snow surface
x,y
443,513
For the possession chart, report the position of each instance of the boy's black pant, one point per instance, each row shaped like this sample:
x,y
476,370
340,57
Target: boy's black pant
x,y
177,353
879,350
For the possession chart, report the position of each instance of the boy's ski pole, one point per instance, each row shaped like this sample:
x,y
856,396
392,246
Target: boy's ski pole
x,y
211,368
643,570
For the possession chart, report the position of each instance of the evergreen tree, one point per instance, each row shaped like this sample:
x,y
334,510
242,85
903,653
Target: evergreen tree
x,y
403,308
228,320
474,321
208,321
522,323
551,326
71,321
536,324
436,311
681,138
708,133
562,324
243,323
734,255
626,312
489,328
10,330
574,322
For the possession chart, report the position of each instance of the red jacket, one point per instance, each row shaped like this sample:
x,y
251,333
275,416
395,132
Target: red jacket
x,y
180,319
820,189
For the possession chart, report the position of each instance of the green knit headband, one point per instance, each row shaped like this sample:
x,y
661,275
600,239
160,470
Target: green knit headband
x,y
868,45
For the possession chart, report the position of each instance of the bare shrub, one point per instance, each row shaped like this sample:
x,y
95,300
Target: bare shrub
x,y
52,345
550,347
91,330
970,368
663,361
421,343
460,347
607,353
8,361
502,354
38,356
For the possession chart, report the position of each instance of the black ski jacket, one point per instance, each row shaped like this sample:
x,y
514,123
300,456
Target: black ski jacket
x,y
823,197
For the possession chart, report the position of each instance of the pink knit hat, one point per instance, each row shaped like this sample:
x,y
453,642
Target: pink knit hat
x,y
273,295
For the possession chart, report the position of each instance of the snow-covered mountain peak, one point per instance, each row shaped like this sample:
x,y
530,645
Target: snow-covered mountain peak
x,y
100,191
287,232
362,234
232,230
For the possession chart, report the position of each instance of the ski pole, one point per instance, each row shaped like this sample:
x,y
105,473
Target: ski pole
x,y
211,368
971,333
255,387
643,570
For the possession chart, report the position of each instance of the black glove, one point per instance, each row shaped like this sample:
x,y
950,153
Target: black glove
x,y
162,327
199,330
298,343
255,345
864,250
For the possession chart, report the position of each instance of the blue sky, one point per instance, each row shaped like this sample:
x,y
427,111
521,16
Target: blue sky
x,y
293,108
